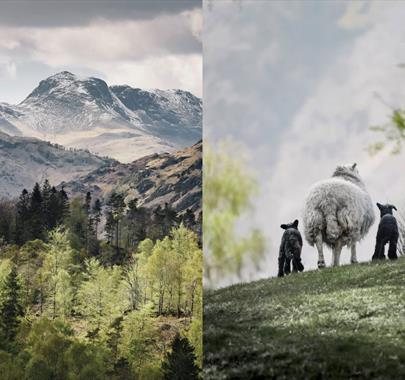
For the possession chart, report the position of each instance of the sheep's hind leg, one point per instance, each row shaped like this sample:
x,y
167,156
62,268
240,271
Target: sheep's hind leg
x,y
353,256
337,250
319,247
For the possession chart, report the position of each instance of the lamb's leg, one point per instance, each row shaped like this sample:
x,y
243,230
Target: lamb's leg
x,y
281,260
392,250
287,266
353,256
295,266
337,250
319,247
379,247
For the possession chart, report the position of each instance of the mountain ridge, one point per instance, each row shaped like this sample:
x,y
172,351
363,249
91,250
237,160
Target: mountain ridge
x,y
120,121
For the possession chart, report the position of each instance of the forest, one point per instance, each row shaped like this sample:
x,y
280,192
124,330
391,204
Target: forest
x,y
98,290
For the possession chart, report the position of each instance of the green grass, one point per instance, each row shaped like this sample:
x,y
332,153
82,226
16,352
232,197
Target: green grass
x,y
338,323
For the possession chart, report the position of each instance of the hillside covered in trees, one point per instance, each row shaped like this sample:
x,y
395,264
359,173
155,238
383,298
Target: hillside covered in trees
x,y
96,288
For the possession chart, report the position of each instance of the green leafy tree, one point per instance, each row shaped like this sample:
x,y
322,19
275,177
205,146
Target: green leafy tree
x,y
195,336
158,267
57,272
133,282
10,367
180,363
185,252
31,257
100,297
138,341
227,189
54,353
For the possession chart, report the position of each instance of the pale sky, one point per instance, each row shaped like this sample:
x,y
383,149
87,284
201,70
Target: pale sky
x,y
299,84
146,44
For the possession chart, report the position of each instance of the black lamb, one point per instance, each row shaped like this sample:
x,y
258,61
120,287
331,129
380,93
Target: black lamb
x,y
387,233
290,250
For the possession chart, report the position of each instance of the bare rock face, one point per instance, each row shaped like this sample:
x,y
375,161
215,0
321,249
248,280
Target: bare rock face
x,y
174,178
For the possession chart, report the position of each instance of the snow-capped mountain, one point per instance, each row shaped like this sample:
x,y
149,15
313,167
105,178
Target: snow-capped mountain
x,y
119,121
26,160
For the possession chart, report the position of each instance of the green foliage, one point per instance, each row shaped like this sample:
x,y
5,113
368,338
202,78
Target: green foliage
x,y
68,312
228,189
173,272
31,257
195,336
180,364
10,367
338,323
38,212
138,340
393,132
100,297
10,307
55,354
77,225
57,274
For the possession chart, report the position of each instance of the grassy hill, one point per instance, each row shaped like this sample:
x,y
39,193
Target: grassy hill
x,y
338,323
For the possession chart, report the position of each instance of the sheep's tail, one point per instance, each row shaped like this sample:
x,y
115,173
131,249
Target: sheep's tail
x,y
316,223
332,228
313,224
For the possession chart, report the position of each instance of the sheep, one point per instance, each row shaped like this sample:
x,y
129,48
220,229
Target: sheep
x,y
387,233
290,249
338,211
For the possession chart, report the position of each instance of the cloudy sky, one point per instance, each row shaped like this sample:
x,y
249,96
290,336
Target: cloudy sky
x,y
147,44
300,83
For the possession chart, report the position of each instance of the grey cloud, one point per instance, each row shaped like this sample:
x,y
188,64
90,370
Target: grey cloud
x,y
43,13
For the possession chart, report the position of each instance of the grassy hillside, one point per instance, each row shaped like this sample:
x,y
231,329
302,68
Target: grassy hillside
x,y
338,323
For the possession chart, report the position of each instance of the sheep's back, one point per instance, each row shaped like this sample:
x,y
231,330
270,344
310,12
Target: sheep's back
x,y
347,203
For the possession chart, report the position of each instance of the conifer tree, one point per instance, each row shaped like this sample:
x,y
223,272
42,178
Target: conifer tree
x,y
180,364
188,219
10,309
46,203
55,212
96,215
115,213
137,222
22,218
89,223
64,204
36,213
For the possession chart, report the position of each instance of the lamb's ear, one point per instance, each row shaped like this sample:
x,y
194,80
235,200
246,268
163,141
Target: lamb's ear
x,y
354,165
295,224
393,207
284,226
379,205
